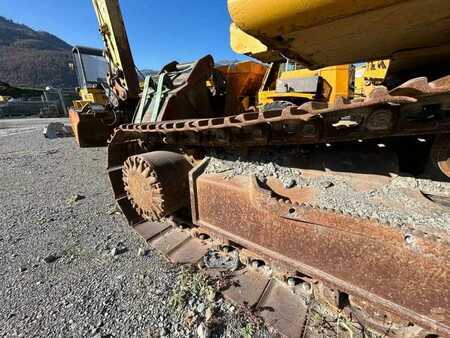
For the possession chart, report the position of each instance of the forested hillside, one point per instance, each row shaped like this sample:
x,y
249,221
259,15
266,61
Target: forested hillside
x,y
33,59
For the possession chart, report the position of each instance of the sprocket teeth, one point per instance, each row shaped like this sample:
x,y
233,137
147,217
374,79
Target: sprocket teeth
x,y
142,186
146,172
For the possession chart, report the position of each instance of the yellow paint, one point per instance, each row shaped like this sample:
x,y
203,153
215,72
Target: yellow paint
x,y
88,96
320,33
282,16
377,70
243,43
108,27
118,51
337,83
369,75
4,99
359,80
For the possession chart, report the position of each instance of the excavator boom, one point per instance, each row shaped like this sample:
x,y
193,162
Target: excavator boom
x,y
123,77
94,121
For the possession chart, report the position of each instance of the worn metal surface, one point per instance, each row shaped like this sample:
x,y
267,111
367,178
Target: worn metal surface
x,y
180,92
360,257
415,108
321,33
281,309
397,275
156,183
122,78
89,129
247,287
401,273
441,153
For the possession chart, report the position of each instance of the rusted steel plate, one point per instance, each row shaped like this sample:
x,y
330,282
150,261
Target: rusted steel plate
x,y
190,252
170,240
283,310
440,153
89,130
358,256
246,287
149,230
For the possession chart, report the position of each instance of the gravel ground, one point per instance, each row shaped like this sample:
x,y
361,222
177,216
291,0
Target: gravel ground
x,y
58,233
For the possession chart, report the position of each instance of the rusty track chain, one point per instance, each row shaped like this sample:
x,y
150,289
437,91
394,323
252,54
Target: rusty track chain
x,y
414,108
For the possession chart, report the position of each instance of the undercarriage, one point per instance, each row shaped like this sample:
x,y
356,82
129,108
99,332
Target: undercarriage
x,y
346,204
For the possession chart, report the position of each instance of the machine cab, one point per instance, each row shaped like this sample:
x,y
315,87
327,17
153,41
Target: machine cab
x,y
91,67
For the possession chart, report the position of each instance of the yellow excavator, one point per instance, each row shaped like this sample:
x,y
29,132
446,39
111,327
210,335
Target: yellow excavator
x,y
109,81
91,69
110,85
338,198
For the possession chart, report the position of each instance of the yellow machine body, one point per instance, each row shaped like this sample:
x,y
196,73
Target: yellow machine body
x,y
322,33
337,81
90,95
369,75
243,43
118,50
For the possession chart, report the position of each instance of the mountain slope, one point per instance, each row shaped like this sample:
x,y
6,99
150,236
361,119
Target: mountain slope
x,y
33,59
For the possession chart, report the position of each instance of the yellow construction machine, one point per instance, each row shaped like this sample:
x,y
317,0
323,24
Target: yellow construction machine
x,y
111,86
87,114
288,82
91,69
339,198
109,83
293,84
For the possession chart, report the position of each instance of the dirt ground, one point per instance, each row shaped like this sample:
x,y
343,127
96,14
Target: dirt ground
x,y
69,264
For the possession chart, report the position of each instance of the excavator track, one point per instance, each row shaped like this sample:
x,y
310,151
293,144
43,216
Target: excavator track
x,y
415,108
392,278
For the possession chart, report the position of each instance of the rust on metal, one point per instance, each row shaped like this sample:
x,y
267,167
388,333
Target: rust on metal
x,y
383,114
441,153
280,309
359,256
89,130
156,183
375,264
246,287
